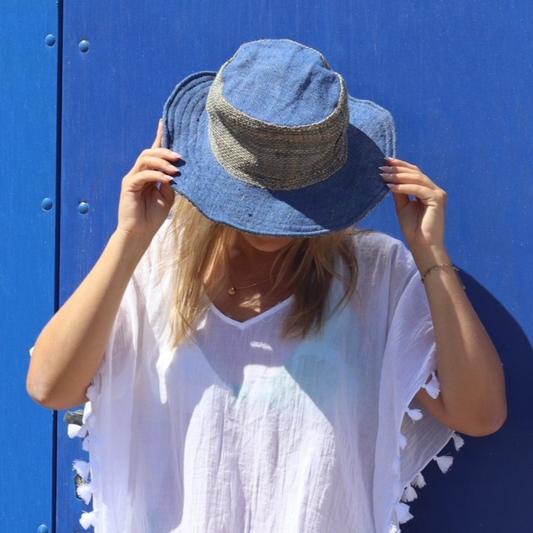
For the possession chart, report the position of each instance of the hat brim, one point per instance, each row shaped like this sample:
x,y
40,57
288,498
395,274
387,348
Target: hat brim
x,y
328,206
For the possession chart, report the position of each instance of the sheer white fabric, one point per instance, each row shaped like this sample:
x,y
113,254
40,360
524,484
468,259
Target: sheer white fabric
x,y
240,431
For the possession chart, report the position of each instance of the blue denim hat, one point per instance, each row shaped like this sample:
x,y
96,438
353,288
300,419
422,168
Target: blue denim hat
x,y
273,144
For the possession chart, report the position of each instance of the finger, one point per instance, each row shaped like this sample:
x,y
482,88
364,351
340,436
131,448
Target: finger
x,y
399,169
396,175
392,161
168,192
163,153
138,180
159,135
423,193
152,162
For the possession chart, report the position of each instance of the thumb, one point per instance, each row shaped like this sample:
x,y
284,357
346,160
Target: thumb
x,y
168,193
159,135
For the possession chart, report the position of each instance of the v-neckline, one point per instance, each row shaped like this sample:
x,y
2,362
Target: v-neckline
x,y
253,320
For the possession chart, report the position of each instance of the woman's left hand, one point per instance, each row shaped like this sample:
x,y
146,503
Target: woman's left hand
x,y
422,219
472,398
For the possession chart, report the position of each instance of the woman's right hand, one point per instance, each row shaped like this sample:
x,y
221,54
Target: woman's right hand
x,y
147,196
70,349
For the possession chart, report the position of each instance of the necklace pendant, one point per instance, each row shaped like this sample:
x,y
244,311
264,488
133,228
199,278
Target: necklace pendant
x,y
232,291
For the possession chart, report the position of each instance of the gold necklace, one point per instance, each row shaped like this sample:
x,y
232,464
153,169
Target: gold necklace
x,y
232,290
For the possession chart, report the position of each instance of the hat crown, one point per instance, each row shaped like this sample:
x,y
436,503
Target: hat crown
x,y
281,82
273,144
284,135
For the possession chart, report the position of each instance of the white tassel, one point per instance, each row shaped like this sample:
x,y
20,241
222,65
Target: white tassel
x,y
91,392
433,386
444,462
87,410
88,519
458,441
402,513
419,482
402,441
85,492
409,494
85,444
82,468
415,414
74,430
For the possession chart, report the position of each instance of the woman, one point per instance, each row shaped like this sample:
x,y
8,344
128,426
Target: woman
x,y
253,363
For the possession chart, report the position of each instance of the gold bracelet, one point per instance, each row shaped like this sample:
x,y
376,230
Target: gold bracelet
x,y
443,265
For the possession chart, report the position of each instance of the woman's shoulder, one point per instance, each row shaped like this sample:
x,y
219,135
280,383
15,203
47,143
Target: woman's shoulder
x,y
370,244
381,256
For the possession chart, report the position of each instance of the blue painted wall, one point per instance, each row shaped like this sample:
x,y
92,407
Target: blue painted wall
x,y
456,75
28,118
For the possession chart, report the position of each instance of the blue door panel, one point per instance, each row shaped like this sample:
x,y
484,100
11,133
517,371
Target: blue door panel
x,y
110,114
456,76
28,117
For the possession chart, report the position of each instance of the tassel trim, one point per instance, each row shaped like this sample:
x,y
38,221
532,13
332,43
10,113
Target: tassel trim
x,y
433,386
414,414
402,441
85,492
74,431
419,482
458,441
402,513
88,519
82,468
86,486
409,494
444,462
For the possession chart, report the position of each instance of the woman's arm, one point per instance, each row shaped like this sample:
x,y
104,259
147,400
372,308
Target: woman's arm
x,y
69,350
472,398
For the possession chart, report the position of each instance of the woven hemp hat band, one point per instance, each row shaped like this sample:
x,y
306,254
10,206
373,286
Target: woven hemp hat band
x,y
272,156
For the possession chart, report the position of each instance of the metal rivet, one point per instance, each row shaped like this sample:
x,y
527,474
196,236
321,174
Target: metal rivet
x,y
84,46
42,529
83,208
50,40
47,204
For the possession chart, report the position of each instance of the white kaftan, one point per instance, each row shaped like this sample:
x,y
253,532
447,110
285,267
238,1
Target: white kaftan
x,y
240,432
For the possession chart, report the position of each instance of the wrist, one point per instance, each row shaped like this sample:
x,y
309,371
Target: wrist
x,y
130,244
427,256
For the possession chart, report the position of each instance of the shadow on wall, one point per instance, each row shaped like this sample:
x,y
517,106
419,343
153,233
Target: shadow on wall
x,y
491,476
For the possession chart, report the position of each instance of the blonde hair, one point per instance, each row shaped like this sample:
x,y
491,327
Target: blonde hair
x,y
201,249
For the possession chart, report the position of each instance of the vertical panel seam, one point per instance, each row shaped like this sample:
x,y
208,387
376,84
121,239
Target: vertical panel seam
x,y
57,272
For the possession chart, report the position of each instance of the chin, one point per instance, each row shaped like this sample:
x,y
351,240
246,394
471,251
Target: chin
x,y
265,243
